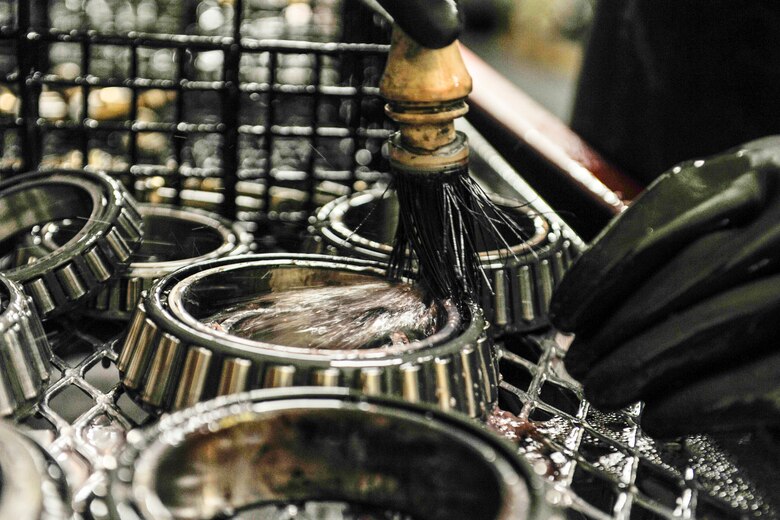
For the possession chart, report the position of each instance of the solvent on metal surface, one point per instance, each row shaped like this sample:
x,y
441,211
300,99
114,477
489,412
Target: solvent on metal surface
x,y
251,109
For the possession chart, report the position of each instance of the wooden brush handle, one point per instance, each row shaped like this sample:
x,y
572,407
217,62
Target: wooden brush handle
x,y
426,91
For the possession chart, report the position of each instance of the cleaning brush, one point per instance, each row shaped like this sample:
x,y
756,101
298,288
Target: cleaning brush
x,y
444,215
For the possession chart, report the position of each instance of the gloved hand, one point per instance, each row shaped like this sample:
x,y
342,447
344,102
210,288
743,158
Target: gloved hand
x,y
431,23
677,302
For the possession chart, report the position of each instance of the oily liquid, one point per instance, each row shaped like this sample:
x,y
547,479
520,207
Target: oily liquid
x,y
360,316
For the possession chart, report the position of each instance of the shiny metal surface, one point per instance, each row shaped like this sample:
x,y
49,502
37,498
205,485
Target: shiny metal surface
x,y
171,359
32,485
175,137
326,445
173,238
24,351
521,276
109,230
597,466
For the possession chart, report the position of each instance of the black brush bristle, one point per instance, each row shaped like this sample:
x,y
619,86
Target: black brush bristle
x,y
445,219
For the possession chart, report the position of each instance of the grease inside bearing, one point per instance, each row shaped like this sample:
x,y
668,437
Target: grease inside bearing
x,y
371,314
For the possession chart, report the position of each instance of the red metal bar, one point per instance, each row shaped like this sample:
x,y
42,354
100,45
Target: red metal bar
x,y
574,161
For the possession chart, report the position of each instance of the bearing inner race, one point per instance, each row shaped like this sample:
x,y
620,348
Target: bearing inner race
x,y
26,206
107,229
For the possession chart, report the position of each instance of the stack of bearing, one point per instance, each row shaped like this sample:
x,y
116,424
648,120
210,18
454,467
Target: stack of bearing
x,y
191,295
40,284
79,243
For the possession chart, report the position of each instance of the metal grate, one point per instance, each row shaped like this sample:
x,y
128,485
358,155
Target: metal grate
x,y
603,464
598,465
247,107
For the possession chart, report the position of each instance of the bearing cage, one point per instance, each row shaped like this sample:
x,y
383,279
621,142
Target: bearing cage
x,y
24,350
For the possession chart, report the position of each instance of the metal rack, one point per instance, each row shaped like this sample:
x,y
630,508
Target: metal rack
x,y
216,113
597,465
201,105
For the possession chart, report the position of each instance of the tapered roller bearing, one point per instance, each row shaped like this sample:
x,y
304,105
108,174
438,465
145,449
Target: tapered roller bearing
x,y
170,359
521,273
110,231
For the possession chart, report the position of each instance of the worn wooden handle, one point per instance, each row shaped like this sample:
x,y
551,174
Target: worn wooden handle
x,y
426,91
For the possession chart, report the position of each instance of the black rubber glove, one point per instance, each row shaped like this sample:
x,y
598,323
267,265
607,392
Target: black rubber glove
x,y
677,302
431,23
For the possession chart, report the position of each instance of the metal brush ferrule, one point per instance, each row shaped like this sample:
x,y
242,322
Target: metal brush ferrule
x,y
450,158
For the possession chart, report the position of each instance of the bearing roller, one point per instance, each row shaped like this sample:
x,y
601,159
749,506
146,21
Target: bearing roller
x,y
24,352
171,359
110,231
522,276
173,238
32,485
328,453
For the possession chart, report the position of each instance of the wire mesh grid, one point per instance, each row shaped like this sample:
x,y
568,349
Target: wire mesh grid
x,y
603,463
597,465
253,108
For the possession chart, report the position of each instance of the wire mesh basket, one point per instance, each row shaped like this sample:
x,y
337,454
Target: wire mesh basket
x,y
263,110
244,107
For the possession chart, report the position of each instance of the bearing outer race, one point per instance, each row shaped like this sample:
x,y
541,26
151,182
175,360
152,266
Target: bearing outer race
x,y
24,353
122,504
64,278
167,364
34,486
522,285
119,298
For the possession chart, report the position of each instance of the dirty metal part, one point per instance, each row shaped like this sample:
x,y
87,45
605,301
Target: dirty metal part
x,y
24,351
111,231
328,446
171,360
522,277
